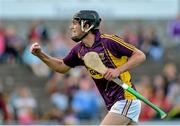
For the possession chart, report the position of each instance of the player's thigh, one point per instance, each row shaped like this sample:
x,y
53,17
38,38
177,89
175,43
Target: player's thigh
x,y
115,119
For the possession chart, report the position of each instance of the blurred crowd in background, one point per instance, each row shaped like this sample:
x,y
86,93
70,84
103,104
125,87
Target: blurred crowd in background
x,y
73,96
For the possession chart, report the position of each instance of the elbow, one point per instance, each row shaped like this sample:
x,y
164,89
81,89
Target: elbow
x,y
59,71
142,56
62,70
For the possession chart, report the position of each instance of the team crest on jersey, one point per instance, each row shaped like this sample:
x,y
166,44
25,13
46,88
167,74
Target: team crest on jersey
x,y
94,74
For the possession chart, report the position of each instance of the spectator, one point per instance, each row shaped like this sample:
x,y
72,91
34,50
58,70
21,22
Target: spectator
x,y
170,75
156,95
14,45
39,31
140,35
130,37
60,100
160,99
83,100
159,82
24,105
59,47
174,98
152,46
174,29
58,92
72,80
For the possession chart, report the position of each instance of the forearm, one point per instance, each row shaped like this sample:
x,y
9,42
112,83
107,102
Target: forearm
x,y
54,63
137,58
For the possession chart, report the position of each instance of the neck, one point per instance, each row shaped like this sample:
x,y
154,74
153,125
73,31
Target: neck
x,y
89,40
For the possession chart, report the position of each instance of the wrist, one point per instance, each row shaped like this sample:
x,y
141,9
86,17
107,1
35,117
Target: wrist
x,y
40,54
120,70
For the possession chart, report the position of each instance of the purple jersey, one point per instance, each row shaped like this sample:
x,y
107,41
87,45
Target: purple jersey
x,y
113,52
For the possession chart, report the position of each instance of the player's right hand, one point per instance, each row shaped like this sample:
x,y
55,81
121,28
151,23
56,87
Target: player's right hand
x,y
35,49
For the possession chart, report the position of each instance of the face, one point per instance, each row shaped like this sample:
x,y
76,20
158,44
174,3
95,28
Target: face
x,y
76,31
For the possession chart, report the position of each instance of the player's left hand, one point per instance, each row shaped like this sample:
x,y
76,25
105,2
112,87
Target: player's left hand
x,y
111,73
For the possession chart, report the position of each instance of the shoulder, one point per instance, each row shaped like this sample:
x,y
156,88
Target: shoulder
x,y
111,37
115,41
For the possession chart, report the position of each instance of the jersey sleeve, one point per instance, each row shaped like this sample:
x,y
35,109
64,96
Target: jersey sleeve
x,y
119,47
72,58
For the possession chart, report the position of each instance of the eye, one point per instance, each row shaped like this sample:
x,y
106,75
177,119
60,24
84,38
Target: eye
x,y
75,22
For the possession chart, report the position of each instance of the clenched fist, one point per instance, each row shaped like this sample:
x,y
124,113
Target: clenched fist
x,y
35,49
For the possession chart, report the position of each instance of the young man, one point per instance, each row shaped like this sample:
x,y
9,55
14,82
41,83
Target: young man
x,y
116,54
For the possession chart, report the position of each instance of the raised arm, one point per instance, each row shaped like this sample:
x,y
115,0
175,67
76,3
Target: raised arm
x,y
54,63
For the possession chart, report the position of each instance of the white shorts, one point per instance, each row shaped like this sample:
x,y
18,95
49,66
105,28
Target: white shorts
x,y
128,108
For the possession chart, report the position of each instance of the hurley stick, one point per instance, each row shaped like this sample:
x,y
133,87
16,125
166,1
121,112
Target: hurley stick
x,y
93,61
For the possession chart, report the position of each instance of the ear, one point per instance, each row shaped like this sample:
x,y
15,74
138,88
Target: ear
x,y
86,25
